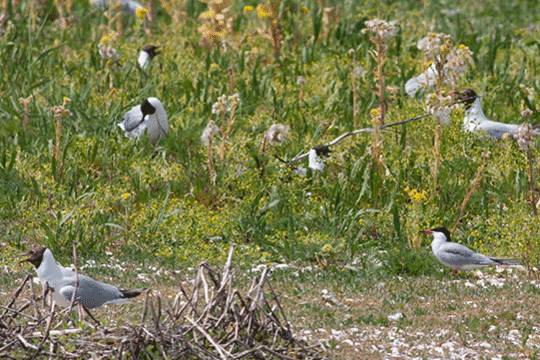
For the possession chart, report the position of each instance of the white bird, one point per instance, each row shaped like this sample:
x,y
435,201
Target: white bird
x,y
146,55
460,257
90,293
475,119
148,117
315,161
129,6
418,82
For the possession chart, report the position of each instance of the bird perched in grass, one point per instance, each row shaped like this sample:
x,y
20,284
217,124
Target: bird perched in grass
x,y
149,117
315,155
129,6
460,257
414,84
475,119
146,55
62,281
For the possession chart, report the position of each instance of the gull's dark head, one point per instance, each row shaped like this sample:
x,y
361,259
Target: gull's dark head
x,y
147,108
468,96
151,50
321,150
35,256
440,229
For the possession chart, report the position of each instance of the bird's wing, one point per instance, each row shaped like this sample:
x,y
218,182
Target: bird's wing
x,y
131,6
91,293
133,118
498,130
506,261
414,84
462,255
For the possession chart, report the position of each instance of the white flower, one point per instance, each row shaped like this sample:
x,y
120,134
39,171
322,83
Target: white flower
x,y
526,113
459,59
300,80
234,99
276,134
221,106
209,132
106,51
381,28
428,43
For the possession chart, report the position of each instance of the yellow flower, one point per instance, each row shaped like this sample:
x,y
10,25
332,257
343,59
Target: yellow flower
x,y
304,10
248,8
105,39
210,14
141,13
375,112
125,196
66,100
262,12
327,248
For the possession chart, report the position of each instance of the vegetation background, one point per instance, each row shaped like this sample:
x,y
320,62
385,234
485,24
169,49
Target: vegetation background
x,y
176,204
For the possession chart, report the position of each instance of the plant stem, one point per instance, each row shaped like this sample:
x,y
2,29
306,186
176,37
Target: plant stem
x,y
532,198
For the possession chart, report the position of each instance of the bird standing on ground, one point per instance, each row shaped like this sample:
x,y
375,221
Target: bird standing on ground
x,y
146,55
148,117
475,119
460,257
90,293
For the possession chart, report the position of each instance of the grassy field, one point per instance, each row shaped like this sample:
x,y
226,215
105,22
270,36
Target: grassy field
x,y
350,231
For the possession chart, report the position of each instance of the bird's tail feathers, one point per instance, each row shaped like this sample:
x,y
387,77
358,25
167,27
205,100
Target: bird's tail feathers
x,y
506,261
128,294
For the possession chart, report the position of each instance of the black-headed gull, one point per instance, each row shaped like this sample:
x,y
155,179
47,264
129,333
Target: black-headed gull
x,y
475,119
421,81
149,117
146,55
129,6
460,257
90,293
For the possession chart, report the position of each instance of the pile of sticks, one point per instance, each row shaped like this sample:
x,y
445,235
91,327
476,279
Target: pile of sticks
x,y
210,320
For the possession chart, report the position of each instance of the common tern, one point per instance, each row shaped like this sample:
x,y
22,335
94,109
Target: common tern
x,y
475,119
460,257
146,55
90,293
148,117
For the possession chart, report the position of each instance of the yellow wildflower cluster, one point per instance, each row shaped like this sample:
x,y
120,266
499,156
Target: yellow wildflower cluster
x,y
217,20
264,12
141,13
415,195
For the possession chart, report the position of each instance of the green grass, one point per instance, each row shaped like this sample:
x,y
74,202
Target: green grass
x,y
128,198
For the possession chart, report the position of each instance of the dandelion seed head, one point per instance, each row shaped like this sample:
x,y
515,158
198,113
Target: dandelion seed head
x,y
221,106
524,136
209,132
276,134
381,28
526,113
